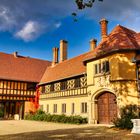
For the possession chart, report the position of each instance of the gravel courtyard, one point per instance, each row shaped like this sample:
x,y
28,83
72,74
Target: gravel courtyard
x,y
33,130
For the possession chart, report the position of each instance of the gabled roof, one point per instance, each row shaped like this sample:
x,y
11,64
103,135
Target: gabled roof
x,y
68,68
121,38
21,68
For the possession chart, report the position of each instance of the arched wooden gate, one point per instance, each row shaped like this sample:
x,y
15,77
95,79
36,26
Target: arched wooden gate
x,y
107,107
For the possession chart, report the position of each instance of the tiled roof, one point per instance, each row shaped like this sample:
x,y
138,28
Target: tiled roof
x,y
120,38
68,68
138,38
21,68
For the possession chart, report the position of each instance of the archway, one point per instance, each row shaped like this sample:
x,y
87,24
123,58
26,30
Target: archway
x,y
107,107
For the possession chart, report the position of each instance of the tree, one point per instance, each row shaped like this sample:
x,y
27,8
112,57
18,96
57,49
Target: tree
x,y
82,4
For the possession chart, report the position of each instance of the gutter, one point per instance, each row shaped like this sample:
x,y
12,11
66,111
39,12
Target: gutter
x,y
107,54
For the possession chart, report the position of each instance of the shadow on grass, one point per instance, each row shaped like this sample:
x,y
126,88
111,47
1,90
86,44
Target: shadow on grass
x,y
90,133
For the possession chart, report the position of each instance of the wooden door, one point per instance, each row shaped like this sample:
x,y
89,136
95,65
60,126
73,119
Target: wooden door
x,y
107,108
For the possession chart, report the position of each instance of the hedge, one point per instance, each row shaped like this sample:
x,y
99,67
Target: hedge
x,y
42,116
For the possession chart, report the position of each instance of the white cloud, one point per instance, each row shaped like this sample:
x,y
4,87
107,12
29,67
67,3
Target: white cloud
x,y
30,31
14,14
7,21
57,25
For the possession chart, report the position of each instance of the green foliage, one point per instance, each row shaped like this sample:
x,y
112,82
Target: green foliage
x,y
127,113
82,4
1,113
40,112
42,116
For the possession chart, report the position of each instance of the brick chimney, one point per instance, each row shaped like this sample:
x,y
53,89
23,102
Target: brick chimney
x,y
103,22
55,56
93,44
63,50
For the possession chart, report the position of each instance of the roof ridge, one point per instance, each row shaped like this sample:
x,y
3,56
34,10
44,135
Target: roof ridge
x,y
125,28
22,69
28,57
69,59
67,68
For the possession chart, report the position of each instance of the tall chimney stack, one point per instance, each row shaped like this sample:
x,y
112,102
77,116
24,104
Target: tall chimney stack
x,y
103,22
93,44
55,56
63,50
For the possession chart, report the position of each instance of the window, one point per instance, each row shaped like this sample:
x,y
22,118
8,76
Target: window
x,y
138,71
107,67
99,68
47,108
72,108
84,107
63,85
55,108
102,67
96,69
63,108
77,83
138,76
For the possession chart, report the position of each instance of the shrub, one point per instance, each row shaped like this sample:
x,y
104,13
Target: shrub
x,y
48,118
42,116
126,114
1,113
40,112
28,117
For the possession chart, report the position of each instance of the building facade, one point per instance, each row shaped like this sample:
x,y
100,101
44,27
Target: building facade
x,y
95,84
18,79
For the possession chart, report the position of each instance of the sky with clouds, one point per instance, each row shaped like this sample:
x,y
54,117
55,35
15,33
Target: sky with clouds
x,y
34,27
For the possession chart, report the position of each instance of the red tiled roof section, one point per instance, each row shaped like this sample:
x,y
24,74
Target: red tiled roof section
x,y
138,38
65,69
21,68
119,39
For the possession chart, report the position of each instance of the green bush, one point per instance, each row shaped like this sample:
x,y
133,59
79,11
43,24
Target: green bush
x,y
1,113
126,114
42,116
40,112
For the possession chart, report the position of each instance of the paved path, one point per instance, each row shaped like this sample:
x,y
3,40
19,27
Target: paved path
x,y
22,126
33,130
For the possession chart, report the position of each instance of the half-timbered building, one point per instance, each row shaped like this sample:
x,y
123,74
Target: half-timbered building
x,y
19,76
95,84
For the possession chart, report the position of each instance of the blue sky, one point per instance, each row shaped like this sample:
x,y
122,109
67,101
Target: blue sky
x,y
34,27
